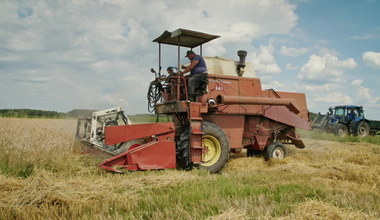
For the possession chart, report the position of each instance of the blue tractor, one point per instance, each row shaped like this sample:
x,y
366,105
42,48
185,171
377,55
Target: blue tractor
x,y
345,120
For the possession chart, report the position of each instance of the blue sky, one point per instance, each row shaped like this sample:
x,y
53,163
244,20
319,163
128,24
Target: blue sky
x,y
96,54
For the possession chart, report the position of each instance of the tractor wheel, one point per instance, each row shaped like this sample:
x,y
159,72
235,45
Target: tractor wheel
x,y
217,149
341,130
363,129
183,151
275,150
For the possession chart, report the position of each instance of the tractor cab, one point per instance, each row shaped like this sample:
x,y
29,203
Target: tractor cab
x,y
346,114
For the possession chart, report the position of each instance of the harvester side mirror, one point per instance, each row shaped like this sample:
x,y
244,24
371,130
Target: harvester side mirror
x,y
152,70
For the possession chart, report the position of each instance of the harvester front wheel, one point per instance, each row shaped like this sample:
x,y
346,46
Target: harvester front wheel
x,y
183,151
275,150
217,147
216,153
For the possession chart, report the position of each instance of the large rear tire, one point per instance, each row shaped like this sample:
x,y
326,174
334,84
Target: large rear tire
x,y
217,145
363,129
183,152
217,149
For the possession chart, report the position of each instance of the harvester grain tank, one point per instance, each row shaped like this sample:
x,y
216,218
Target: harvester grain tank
x,y
231,112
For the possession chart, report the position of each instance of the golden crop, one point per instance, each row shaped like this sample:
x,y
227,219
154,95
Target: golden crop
x,y
44,175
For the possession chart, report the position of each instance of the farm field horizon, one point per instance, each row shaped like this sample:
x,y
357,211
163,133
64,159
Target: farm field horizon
x,y
44,175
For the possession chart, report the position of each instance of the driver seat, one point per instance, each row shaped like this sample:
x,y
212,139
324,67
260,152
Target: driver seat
x,y
202,89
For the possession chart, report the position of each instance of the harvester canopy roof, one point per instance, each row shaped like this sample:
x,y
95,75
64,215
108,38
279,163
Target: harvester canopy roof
x,y
185,38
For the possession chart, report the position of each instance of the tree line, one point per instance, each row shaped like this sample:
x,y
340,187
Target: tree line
x,y
76,113
30,113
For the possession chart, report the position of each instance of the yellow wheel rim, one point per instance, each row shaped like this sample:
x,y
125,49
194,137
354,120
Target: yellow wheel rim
x,y
213,150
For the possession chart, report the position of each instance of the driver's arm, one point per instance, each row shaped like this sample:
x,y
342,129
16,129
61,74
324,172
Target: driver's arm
x,y
191,66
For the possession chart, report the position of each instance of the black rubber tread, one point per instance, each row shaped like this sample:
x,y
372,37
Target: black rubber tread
x,y
183,151
341,130
212,129
271,148
362,133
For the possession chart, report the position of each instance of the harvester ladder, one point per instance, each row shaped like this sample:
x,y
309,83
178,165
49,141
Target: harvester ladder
x,y
196,133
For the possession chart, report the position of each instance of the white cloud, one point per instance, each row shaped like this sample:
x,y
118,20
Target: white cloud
x,y
325,68
335,98
357,82
292,51
319,89
321,96
364,37
363,93
323,51
291,66
93,54
273,84
372,58
264,61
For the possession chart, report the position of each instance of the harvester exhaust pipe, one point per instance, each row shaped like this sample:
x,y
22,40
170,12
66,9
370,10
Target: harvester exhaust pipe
x,y
241,100
241,64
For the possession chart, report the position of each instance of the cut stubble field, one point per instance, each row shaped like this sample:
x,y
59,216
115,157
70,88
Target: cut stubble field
x,y
43,175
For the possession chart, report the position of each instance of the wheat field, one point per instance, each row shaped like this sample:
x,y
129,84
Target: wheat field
x,y
44,175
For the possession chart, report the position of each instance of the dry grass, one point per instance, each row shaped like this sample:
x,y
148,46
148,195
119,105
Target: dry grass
x,y
42,176
314,210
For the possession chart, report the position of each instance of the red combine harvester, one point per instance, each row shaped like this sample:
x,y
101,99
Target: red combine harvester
x,y
231,112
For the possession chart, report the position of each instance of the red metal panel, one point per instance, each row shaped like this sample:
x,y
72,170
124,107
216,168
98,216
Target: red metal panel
x,y
300,102
250,88
223,85
283,115
196,133
261,142
232,125
154,155
119,134
150,156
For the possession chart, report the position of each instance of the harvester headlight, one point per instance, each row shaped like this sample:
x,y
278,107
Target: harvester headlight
x,y
211,102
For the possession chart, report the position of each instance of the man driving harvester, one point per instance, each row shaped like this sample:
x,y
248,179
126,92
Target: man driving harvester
x,y
198,73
